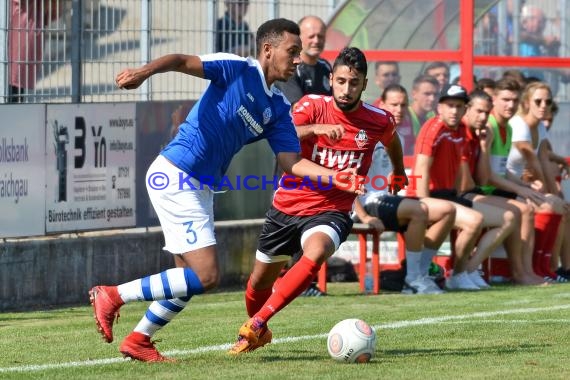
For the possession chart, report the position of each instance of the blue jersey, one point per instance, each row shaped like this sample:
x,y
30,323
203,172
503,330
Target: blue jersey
x,y
236,109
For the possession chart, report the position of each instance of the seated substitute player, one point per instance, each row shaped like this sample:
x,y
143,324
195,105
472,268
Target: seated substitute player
x,y
487,134
426,223
239,106
475,173
495,179
305,216
439,152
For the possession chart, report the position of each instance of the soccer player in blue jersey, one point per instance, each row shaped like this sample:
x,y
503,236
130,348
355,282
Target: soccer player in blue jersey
x,y
240,106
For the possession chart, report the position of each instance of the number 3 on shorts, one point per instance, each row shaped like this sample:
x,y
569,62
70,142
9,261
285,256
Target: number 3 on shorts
x,y
192,234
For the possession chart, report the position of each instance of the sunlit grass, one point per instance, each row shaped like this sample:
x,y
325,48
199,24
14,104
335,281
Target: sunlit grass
x,y
504,333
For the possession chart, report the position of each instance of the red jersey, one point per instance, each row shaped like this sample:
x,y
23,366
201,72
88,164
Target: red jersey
x,y
446,146
364,128
472,150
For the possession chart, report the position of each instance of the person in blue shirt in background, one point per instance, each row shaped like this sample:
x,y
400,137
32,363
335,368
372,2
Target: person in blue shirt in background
x,y
533,41
240,106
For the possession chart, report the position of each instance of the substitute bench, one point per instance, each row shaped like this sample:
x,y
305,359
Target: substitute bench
x,y
363,230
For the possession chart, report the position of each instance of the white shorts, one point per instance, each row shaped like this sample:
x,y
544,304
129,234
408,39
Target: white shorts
x,y
186,215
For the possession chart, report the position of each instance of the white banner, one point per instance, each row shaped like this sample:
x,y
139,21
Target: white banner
x,y
22,175
90,166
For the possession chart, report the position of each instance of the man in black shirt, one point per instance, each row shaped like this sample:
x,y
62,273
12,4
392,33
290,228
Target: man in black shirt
x,y
312,74
233,34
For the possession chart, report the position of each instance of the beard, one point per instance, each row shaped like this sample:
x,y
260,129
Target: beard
x,y
348,106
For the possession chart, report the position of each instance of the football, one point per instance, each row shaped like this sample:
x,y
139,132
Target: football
x,y
352,341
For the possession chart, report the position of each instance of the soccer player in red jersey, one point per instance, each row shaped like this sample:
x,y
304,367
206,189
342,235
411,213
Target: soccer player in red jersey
x,y
338,132
425,224
494,205
240,106
439,152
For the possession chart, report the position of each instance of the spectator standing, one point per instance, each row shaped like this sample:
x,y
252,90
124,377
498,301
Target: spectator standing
x,y
312,74
533,41
386,73
25,39
233,34
440,71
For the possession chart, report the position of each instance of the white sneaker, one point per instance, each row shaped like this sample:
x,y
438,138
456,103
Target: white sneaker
x,y
476,278
433,285
460,281
421,285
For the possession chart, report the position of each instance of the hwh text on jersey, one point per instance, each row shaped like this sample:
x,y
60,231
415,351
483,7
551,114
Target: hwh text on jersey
x,y
342,159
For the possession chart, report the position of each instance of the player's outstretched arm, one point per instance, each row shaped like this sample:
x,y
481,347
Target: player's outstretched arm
x,y
188,64
293,163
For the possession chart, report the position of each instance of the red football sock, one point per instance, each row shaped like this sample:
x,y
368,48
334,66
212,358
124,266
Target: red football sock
x,y
546,228
295,281
545,265
254,299
539,238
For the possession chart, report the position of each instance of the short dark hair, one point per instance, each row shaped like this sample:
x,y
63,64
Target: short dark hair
x,y
507,84
516,75
436,65
394,87
424,78
392,63
485,83
352,57
480,94
272,31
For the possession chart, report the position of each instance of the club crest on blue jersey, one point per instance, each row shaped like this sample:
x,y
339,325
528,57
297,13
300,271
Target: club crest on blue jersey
x,y
361,138
266,115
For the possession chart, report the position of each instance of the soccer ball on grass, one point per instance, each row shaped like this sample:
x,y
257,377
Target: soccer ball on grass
x,y
351,341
